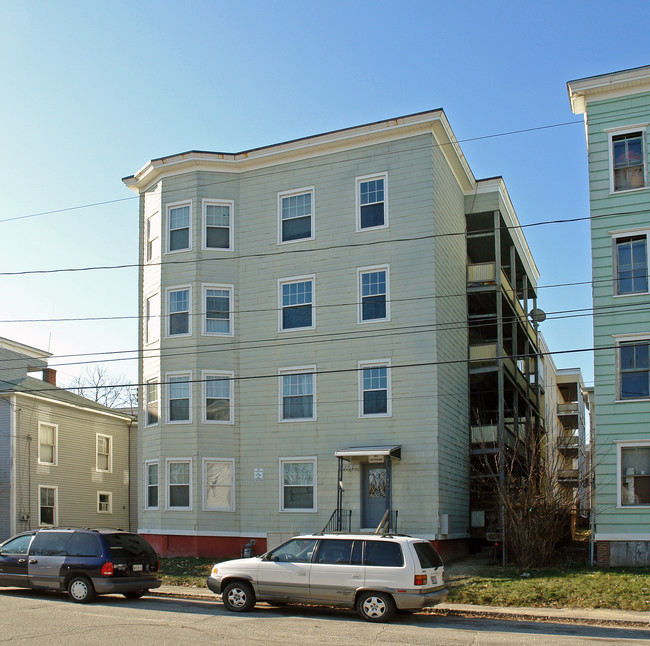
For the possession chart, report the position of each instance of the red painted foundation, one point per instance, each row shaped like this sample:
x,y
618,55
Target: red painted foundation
x,y
229,547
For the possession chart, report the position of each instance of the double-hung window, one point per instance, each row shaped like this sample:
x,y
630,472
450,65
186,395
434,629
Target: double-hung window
x,y
634,474
152,399
152,235
296,215
296,303
217,301
179,483
374,389
179,398
47,505
47,438
298,484
634,368
217,225
297,394
372,205
104,460
631,263
217,388
152,319
104,502
151,484
178,308
628,155
218,484
179,218
373,294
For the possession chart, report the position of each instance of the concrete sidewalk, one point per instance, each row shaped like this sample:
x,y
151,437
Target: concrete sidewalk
x,y
564,615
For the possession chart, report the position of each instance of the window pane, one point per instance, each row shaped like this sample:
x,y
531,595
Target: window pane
x,y
298,497
179,410
296,317
383,554
179,473
372,215
634,385
375,402
219,485
635,475
373,307
334,551
296,229
298,473
217,215
179,217
179,496
218,238
179,239
179,387
217,305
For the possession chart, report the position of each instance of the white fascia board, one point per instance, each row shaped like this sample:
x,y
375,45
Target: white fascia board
x,y
606,86
308,147
26,350
51,400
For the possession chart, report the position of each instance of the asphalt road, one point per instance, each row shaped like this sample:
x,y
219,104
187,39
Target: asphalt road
x,y
30,617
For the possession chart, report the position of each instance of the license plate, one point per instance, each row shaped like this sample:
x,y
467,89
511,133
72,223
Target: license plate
x,y
137,567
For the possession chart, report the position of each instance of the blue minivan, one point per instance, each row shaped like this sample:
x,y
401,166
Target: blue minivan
x,y
83,562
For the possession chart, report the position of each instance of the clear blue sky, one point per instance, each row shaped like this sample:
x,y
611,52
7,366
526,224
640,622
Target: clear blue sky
x,y
91,91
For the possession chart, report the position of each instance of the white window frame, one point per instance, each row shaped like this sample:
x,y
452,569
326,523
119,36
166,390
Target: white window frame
x,y
292,280
168,313
168,463
371,270
630,233
293,460
109,454
230,461
358,182
148,382
152,237
622,339
312,220
148,485
620,445
151,331
204,310
377,363
56,505
168,377
176,205
231,387
204,224
297,370
110,502
55,449
627,130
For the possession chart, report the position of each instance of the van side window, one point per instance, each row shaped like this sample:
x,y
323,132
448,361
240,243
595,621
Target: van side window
x,y
82,544
334,551
383,553
299,550
50,544
19,545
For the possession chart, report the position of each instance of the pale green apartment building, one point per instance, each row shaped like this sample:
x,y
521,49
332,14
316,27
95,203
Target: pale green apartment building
x,y
616,109
304,339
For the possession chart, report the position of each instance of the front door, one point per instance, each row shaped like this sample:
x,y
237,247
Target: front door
x,y
374,489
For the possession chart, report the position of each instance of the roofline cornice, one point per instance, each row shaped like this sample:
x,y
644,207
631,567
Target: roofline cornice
x,y
605,86
433,121
26,350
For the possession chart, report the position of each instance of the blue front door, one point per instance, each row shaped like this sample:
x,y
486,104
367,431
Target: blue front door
x,y
374,492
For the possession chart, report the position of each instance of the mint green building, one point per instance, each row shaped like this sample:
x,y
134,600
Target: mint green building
x,y
616,109
309,312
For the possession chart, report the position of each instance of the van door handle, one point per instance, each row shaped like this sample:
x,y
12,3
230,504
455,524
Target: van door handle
x,y
356,576
302,573
32,561
21,560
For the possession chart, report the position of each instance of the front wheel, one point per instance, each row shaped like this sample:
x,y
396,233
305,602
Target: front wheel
x,y
238,597
81,590
376,606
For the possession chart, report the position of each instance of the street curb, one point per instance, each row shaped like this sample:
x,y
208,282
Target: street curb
x,y
463,610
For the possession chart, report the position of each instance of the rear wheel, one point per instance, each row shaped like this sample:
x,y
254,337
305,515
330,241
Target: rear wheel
x,y
81,590
134,594
376,606
238,597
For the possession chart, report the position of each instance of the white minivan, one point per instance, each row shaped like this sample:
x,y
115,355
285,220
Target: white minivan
x,y
376,574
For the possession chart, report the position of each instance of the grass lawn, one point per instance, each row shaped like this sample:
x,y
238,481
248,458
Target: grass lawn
x,y
186,571
580,587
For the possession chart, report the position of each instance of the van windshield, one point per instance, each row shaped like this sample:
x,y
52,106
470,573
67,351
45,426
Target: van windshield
x,y
428,556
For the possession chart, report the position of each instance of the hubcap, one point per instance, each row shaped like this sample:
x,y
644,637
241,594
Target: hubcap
x,y
78,590
237,597
374,607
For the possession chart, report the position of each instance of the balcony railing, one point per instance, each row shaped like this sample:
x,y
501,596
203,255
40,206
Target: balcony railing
x,y
570,408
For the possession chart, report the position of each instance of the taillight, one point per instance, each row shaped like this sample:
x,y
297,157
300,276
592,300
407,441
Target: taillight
x,y
420,579
107,569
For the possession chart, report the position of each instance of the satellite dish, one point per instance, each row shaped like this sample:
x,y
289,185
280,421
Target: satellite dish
x,y
539,316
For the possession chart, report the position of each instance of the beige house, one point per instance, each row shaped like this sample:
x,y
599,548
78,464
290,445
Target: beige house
x,y
64,459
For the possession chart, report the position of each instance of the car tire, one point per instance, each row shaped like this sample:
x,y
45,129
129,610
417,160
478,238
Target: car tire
x,y
376,606
135,594
81,590
238,597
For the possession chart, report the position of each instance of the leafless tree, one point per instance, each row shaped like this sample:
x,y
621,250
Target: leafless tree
x,y
97,384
